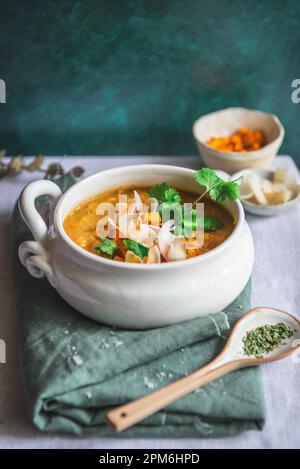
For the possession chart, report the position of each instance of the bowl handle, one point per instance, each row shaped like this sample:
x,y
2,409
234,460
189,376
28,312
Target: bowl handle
x,y
33,254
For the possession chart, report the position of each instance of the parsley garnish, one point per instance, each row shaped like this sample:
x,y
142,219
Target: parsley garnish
x,y
107,246
218,189
165,194
137,248
207,177
224,191
212,223
208,223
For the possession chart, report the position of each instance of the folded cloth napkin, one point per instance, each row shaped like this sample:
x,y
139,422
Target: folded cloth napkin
x,y
76,369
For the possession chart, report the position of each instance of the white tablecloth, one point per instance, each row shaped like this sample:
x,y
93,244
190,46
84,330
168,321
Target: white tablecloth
x,y
276,282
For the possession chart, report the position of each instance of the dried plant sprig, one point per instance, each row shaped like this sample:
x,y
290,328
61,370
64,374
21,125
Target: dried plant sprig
x,y
17,165
35,165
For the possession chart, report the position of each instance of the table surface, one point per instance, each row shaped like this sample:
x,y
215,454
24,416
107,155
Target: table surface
x,y
276,280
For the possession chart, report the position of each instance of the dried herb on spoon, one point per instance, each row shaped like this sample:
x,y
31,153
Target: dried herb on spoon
x,y
264,339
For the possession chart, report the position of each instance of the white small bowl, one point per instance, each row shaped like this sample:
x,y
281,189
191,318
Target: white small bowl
x,y
223,123
266,210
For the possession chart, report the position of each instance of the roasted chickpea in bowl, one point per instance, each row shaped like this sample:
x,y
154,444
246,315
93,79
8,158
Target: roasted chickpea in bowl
x,y
234,139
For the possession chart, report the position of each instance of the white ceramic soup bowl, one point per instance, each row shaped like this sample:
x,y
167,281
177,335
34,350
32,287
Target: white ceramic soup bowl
x,y
128,295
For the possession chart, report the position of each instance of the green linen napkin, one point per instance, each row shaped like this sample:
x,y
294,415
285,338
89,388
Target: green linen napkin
x,y
76,369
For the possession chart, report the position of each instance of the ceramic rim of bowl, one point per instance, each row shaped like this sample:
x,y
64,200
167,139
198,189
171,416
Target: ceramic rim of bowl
x,y
58,224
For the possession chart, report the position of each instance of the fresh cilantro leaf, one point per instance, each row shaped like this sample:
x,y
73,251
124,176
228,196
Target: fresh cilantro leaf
x,y
224,191
137,248
159,191
207,177
208,223
172,196
165,194
218,189
212,223
107,246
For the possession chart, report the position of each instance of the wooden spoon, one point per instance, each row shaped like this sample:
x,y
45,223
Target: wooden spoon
x,y
231,358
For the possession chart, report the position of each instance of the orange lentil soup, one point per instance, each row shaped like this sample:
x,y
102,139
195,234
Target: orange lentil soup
x,y
80,225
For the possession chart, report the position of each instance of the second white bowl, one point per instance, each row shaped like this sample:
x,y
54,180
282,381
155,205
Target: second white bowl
x,y
223,123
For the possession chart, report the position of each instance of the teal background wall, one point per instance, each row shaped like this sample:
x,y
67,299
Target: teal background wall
x,y
130,77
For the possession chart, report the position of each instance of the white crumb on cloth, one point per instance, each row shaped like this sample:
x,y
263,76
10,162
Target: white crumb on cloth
x,y
77,359
148,383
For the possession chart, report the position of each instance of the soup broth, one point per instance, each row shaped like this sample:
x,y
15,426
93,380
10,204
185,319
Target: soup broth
x,y
81,226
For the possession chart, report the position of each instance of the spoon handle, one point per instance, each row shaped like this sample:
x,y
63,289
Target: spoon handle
x,y
129,414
